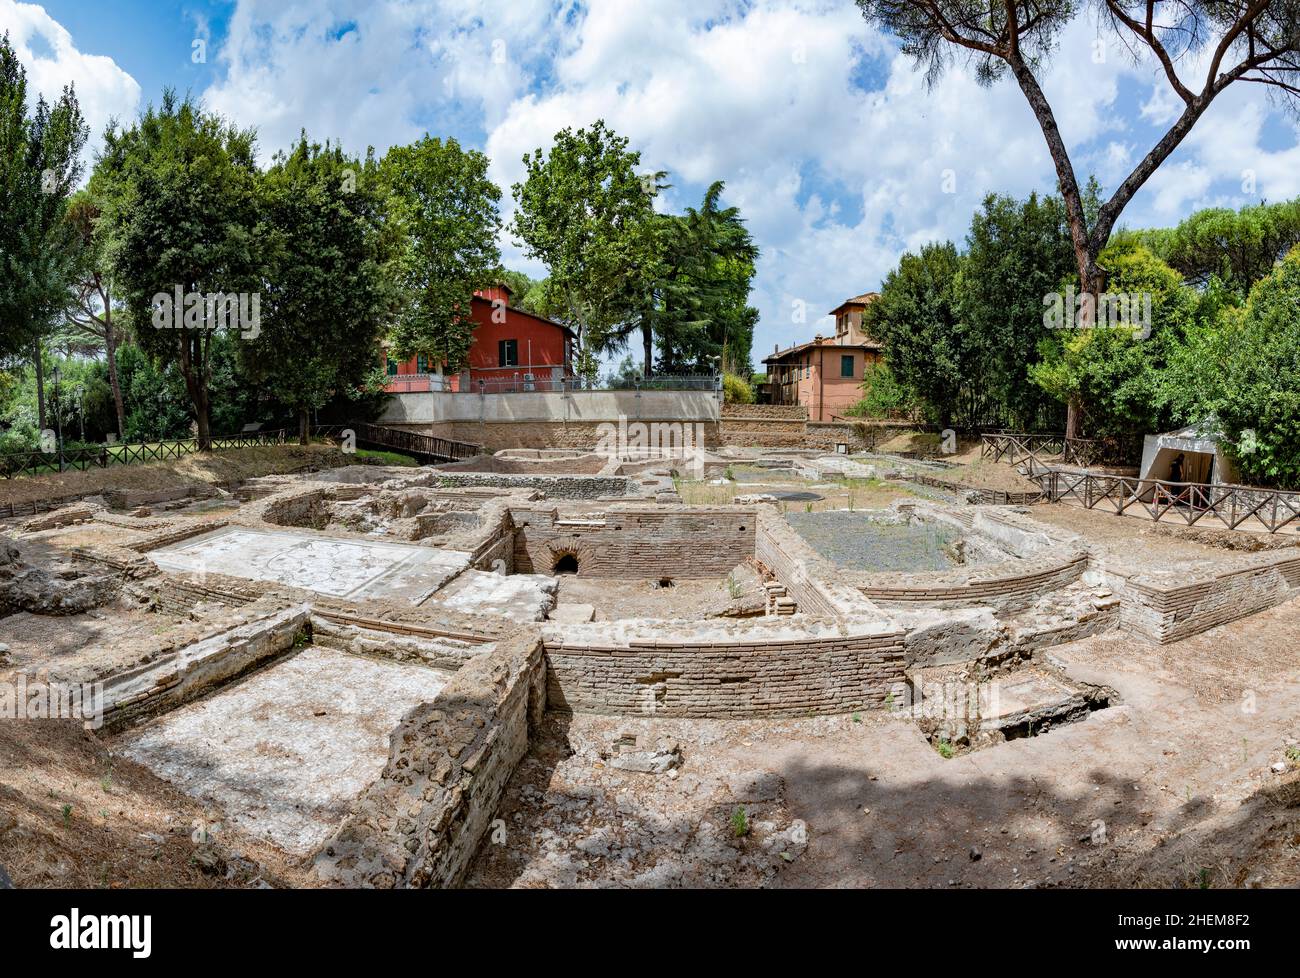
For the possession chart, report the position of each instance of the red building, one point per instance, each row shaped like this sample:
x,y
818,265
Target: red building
x,y
512,350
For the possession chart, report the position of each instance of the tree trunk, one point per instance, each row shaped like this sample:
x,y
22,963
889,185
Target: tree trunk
x,y
647,339
40,384
110,349
205,429
304,425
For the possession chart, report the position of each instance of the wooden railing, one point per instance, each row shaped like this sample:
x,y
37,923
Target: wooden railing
x,y
1070,451
1189,502
425,447
104,456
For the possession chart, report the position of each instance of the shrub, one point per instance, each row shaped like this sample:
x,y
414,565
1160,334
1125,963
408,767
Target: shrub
x,y
736,390
886,396
1259,404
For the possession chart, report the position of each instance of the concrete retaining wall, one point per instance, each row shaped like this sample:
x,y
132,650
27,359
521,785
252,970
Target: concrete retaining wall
x,y
576,406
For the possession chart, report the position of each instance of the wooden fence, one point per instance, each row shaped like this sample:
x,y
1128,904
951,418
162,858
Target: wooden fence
x,y
1190,503
104,456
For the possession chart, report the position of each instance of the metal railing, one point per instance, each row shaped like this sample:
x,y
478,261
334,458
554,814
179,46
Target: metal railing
x,y
521,384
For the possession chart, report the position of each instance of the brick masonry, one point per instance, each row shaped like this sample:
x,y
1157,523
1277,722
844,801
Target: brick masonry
x,y
1165,608
764,667
629,541
420,824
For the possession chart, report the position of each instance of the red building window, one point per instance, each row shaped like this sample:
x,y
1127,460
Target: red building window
x,y
508,353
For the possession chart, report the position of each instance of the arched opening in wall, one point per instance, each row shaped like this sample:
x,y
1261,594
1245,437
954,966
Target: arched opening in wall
x,y
566,564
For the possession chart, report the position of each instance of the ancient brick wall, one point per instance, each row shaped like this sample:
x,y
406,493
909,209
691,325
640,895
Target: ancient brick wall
x,y
766,667
810,579
774,412
420,824
556,486
636,541
1009,585
1165,608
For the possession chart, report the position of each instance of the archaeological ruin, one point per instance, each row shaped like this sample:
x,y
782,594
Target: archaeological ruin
x,y
557,667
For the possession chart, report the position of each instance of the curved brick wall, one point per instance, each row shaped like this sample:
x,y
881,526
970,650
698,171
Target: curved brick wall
x,y
1009,583
765,667
1042,559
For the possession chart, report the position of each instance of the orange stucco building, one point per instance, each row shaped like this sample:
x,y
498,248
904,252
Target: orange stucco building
x,y
826,374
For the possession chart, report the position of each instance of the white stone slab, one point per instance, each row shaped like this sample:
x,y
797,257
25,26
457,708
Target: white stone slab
x,y
328,565
521,597
286,752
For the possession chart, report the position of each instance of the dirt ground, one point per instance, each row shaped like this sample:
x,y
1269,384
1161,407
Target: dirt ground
x,y
614,599
72,814
80,648
965,465
216,467
1171,787
1153,543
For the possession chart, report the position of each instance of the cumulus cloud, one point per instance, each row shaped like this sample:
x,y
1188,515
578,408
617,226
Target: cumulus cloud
x,y
375,74
828,139
53,60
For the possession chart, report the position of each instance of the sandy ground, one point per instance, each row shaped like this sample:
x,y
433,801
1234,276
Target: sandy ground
x,y
1151,543
79,648
1185,755
72,814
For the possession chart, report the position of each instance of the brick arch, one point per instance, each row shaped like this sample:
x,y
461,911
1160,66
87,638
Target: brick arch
x,y
573,546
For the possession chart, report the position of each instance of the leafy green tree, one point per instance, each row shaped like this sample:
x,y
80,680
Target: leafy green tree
x,y
326,295
707,269
1017,253
1223,42
442,209
918,322
1237,247
90,309
736,389
39,168
1244,369
1115,369
884,396
586,212
179,193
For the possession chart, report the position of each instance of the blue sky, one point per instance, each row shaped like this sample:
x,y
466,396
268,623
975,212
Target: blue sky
x,y
827,138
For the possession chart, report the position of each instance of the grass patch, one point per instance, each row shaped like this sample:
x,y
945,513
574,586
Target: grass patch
x,y
369,457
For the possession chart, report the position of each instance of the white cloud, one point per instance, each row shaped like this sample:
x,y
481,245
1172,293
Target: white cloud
x,y
829,141
373,74
104,90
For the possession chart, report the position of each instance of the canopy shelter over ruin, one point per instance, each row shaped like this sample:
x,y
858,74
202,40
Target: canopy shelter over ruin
x,y
1201,446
